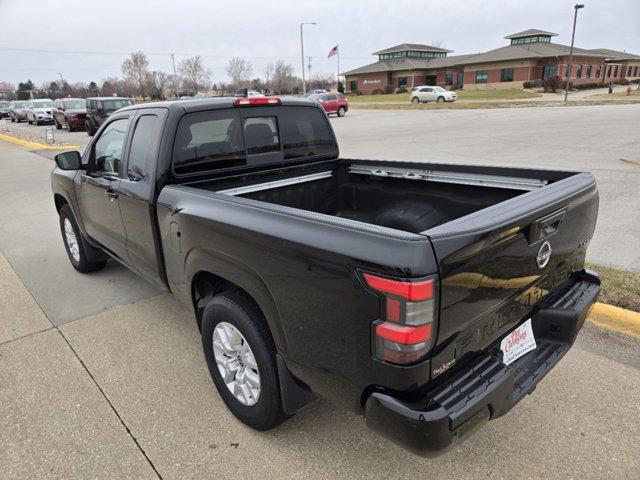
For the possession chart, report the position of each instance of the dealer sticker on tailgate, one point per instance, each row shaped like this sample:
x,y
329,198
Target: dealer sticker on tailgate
x,y
517,343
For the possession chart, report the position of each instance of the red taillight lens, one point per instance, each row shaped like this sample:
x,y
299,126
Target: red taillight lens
x,y
404,335
246,102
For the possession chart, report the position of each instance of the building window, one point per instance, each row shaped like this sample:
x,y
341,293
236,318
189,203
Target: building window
x,y
389,78
598,70
353,85
402,82
506,75
615,72
608,71
588,71
566,72
460,79
549,70
520,41
481,76
579,72
448,79
629,71
635,71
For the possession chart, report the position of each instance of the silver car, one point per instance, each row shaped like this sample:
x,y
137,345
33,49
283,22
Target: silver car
x,y
39,111
18,110
432,94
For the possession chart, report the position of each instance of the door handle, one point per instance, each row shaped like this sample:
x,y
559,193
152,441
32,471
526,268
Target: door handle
x,y
111,194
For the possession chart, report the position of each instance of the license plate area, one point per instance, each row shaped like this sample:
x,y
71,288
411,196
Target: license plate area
x,y
518,343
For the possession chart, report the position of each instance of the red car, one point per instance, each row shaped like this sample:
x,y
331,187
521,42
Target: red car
x,y
333,103
69,112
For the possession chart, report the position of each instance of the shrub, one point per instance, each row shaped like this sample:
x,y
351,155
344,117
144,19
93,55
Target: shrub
x,y
553,84
528,84
454,87
538,83
401,90
388,89
353,93
623,81
587,86
377,91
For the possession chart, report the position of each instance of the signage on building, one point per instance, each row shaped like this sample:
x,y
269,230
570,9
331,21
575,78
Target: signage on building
x,y
366,82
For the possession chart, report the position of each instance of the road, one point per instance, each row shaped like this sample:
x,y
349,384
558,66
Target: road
x,y
103,375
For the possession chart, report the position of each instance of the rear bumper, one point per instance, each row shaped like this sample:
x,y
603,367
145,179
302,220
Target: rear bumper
x,y
487,388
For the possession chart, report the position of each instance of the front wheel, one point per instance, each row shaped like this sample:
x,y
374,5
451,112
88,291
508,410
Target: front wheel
x,y
36,122
240,354
342,112
74,245
440,100
58,126
415,100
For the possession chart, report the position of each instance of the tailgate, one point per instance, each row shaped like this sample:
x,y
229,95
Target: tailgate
x,y
497,263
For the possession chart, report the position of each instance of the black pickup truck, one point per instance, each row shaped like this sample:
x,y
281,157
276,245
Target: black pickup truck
x,y
429,297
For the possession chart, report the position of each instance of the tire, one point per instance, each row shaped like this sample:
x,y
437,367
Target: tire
x,y
79,259
233,308
415,100
36,122
58,126
12,119
90,131
342,112
440,100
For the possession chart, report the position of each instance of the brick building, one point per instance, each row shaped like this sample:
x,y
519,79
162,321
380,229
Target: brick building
x,y
529,56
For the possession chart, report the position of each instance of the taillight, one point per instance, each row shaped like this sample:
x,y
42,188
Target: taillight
x,y
405,332
246,102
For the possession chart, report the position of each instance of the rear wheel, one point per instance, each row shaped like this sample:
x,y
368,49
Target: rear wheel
x,y
440,100
240,354
74,244
12,118
90,131
342,112
36,122
58,126
415,100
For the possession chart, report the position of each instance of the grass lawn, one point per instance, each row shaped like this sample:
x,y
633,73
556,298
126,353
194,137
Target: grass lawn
x,y
619,288
618,95
462,95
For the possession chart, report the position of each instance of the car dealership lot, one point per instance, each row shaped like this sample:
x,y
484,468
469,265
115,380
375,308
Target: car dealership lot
x,y
127,355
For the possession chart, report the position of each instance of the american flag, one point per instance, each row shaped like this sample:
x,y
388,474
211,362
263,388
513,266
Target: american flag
x,y
333,51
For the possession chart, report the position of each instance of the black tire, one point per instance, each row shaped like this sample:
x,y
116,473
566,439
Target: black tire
x,y
415,100
82,264
12,119
342,112
36,122
440,100
235,308
90,131
58,126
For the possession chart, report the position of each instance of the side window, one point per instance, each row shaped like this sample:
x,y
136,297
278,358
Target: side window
x,y
107,151
207,141
331,97
425,89
261,135
143,147
305,133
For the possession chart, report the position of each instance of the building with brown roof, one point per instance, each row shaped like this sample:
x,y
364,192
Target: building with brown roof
x,y
530,56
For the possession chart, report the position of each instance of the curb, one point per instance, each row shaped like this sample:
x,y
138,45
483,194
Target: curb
x,y
615,319
34,145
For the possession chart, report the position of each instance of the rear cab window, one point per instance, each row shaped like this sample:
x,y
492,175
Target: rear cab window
x,y
234,138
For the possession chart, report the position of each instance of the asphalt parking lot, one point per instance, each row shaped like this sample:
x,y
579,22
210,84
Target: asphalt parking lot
x,y
103,375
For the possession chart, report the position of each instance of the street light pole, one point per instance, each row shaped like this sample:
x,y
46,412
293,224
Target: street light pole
x,y
573,35
304,83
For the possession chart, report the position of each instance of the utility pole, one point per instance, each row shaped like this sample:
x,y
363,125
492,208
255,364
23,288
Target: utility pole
x,y
304,84
577,7
309,67
175,76
61,83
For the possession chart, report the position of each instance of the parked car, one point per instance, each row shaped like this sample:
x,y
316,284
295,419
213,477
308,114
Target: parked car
x,y
428,297
99,109
18,110
333,103
318,91
4,108
70,113
39,111
248,93
432,94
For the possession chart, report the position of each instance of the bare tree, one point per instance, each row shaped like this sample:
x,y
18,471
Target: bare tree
x,y
136,70
195,75
437,43
239,71
160,81
280,76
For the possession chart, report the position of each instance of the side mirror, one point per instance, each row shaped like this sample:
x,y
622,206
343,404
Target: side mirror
x,y
69,160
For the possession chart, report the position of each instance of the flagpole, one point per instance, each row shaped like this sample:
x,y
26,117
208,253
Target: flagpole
x,y
338,84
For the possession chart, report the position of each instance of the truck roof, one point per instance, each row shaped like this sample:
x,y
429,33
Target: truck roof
x,y
213,103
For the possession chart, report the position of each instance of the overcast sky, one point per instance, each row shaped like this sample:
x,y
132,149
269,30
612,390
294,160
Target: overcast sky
x,y
263,31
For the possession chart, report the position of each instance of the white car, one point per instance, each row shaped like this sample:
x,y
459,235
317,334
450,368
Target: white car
x,y
432,94
39,111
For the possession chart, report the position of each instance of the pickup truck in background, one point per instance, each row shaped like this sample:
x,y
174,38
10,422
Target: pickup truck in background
x,y
429,297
